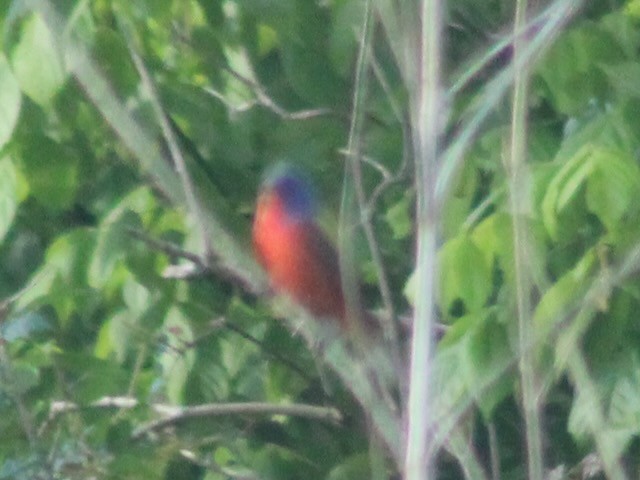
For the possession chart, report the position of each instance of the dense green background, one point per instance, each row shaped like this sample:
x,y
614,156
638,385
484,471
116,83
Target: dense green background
x,y
100,99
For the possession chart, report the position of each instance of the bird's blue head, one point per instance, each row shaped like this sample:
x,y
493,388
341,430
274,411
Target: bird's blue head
x,y
295,192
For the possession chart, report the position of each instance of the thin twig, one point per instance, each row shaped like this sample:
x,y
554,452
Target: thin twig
x,y
370,372
223,323
263,99
177,415
403,169
61,407
354,154
179,162
202,267
494,451
169,248
381,76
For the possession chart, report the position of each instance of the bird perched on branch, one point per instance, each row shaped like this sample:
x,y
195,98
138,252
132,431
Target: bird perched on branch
x,y
296,254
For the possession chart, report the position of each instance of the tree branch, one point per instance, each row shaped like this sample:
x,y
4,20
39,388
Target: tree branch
x,y
176,415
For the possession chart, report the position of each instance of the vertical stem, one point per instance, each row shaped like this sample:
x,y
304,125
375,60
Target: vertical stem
x,y
352,189
516,169
353,149
426,122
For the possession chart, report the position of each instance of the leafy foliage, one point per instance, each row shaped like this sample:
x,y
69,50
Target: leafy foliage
x,y
133,139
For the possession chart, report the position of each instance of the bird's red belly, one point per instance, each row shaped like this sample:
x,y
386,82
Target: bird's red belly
x,y
296,269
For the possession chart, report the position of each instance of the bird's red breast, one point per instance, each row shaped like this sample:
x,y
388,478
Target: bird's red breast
x,y
298,258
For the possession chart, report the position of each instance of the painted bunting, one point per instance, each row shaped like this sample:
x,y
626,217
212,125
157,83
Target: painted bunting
x,y
296,254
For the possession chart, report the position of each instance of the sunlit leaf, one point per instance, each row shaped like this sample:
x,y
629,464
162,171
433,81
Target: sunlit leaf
x,y
613,187
9,197
564,186
10,101
398,218
464,274
37,63
563,294
111,248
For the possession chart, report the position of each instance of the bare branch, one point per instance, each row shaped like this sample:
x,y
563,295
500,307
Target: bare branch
x,y
263,99
169,248
200,267
174,415
178,415
354,157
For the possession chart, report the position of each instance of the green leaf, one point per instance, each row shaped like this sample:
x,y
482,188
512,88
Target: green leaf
x,y
483,358
555,306
9,195
112,246
494,237
345,33
91,377
115,336
26,325
178,356
51,172
69,254
110,51
61,280
571,67
486,361
585,422
624,77
136,296
624,410
449,386
563,294
632,9
409,289
37,63
267,39
564,186
20,378
464,274
41,284
10,101
613,187
275,461
398,218
353,468
583,417
306,63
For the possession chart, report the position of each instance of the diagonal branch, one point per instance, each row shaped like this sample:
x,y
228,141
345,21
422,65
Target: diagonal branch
x,y
179,162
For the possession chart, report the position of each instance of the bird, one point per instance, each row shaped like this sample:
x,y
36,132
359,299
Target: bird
x,y
298,257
